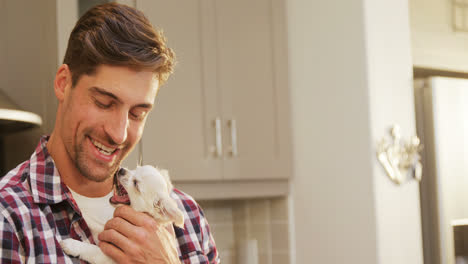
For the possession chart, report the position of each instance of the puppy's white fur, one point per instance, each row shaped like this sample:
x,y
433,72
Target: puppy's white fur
x,y
149,191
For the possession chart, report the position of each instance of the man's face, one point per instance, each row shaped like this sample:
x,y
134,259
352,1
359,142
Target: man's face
x,y
103,118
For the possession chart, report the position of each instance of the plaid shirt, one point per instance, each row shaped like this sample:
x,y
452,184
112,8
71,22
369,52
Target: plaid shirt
x,y
37,211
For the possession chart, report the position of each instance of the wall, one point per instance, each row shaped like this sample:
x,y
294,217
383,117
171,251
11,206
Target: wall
x,y
34,36
266,221
27,67
350,70
334,205
67,15
389,64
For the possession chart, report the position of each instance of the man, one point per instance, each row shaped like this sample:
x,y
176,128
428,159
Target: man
x,y
114,64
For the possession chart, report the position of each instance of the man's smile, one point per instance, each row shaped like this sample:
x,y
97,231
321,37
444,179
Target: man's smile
x,y
104,152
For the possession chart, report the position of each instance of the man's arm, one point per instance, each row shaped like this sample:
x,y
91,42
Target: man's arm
x,y
11,250
208,242
209,253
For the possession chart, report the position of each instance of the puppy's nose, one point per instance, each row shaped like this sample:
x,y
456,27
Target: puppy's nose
x,y
122,172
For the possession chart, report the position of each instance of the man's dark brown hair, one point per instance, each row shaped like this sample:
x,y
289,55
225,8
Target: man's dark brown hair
x,y
117,35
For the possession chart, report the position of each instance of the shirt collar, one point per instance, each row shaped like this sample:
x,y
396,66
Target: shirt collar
x,y
46,184
45,181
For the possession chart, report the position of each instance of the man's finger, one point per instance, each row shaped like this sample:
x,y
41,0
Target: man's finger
x,y
122,226
112,251
117,239
136,218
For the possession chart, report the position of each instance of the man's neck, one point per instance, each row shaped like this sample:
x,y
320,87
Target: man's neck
x,y
71,176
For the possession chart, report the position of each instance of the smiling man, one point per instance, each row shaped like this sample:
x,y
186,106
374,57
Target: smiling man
x,y
106,87
99,121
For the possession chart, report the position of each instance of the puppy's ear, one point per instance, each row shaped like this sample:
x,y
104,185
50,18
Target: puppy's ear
x,y
165,174
175,215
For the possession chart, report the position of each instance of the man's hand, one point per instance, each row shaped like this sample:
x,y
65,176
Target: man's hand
x,y
134,237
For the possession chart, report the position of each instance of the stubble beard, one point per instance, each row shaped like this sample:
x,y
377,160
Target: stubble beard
x,y
82,160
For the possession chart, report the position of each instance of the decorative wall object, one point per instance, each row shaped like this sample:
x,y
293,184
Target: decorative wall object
x,y
400,159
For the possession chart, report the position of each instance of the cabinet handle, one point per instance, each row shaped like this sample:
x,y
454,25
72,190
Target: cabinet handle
x,y
233,149
218,149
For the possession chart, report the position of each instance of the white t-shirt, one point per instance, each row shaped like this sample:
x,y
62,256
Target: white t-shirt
x,y
96,212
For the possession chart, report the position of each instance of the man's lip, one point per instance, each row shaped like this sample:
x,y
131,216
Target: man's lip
x,y
105,145
101,156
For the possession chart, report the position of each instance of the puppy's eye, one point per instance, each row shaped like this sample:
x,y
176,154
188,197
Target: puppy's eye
x,y
135,183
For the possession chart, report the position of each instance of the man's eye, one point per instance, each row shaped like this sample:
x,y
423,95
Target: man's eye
x,y
102,105
138,115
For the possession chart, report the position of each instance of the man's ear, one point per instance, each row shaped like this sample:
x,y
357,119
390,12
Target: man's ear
x,y
62,82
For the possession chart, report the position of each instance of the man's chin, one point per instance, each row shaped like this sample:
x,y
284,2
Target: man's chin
x,y
97,178
95,169
98,174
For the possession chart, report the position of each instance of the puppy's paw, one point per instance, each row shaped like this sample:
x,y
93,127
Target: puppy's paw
x,y
71,247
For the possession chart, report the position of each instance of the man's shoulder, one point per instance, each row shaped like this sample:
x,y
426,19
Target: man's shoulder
x,y
191,209
189,204
196,243
14,187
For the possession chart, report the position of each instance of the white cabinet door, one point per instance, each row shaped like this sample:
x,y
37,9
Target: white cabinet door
x,y
249,59
179,131
232,66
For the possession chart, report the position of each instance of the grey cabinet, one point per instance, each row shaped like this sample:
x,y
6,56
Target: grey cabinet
x,y
224,114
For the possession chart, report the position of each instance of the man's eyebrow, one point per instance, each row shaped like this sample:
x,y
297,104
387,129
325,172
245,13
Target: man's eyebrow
x,y
101,91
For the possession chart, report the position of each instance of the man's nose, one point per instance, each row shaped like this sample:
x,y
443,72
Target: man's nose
x,y
117,128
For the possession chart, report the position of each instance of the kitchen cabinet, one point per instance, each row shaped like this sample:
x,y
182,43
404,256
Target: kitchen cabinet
x,y
224,114
436,44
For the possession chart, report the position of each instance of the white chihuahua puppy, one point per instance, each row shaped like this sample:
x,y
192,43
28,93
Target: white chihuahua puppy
x,y
147,189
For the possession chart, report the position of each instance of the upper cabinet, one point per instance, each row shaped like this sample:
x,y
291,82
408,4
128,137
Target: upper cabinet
x,y
435,42
224,114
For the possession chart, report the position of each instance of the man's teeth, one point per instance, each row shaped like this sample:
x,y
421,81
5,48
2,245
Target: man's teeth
x,y
103,149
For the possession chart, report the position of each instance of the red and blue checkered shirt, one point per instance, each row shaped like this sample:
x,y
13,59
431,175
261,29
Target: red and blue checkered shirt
x,y
37,211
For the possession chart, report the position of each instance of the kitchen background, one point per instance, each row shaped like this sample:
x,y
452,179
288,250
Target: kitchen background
x,y
272,118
